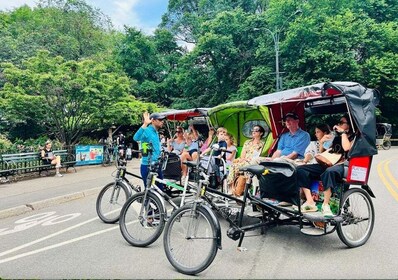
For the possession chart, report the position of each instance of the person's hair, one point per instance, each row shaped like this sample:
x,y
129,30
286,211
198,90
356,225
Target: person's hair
x,y
347,117
323,127
48,142
231,137
222,129
262,130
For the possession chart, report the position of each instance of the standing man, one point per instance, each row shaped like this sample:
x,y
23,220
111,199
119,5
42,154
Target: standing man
x,y
148,133
292,144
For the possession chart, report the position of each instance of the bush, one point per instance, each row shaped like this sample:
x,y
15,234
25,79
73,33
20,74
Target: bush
x,y
5,144
84,140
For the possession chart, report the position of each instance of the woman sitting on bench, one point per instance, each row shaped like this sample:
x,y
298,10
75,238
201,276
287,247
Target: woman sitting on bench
x,y
48,157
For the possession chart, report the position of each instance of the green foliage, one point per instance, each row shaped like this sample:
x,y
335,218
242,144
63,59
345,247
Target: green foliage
x,y
65,72
5,144
86,140
68,98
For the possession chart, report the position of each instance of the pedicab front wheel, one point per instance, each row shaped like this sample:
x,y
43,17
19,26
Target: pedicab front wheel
x,y
358,218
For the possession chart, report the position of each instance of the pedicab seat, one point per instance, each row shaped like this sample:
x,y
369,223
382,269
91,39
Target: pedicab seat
x,y
173,167
279,182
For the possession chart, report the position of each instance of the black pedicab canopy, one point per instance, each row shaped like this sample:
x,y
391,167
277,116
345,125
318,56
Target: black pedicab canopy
x,y
329,97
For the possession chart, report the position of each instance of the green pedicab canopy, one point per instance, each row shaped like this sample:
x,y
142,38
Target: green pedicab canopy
x,y
238,118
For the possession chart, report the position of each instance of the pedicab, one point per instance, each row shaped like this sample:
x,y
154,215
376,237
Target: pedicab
x,y
197,116
383,135
353,208
197,226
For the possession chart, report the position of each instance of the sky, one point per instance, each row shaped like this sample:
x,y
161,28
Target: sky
x,y
145,15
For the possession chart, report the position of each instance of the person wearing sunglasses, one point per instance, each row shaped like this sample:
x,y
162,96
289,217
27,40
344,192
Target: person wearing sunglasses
x,y
177,143
251,150
306,174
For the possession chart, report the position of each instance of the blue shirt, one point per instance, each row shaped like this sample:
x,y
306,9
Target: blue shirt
x,y
149,135
297,142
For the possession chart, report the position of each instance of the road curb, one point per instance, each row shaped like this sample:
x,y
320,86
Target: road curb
x,y
22,209
15,211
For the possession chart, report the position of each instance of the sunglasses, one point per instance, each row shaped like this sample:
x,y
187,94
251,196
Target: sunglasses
x,y
255,130
178,131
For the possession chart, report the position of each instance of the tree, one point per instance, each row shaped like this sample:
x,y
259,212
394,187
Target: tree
x,y
68,98
69,28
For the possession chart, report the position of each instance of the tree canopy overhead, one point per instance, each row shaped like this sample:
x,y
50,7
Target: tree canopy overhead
x,y
64,51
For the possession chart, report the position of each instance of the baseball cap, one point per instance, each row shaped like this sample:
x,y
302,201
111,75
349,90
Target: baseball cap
x,y
291,115
156,116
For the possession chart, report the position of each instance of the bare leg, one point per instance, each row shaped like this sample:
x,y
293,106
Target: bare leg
x,y
308,196
184,157
327,194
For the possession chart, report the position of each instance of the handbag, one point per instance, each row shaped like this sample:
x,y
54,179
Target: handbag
x,y
238,187
328,158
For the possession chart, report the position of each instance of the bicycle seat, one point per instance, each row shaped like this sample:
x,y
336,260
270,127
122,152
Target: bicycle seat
x,y
190,163
254,169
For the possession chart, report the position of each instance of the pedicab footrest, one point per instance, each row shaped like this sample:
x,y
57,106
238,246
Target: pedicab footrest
x,y
318,217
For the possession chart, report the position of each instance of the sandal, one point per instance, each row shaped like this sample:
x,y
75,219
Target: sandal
x,y
306,207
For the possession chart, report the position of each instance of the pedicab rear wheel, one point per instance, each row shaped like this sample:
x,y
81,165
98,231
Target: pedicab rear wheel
x,y
358,218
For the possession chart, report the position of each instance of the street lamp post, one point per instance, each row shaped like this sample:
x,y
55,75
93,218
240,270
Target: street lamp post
x,y
275,37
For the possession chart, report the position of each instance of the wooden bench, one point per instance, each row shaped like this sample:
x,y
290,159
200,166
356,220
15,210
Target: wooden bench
x,y
21,163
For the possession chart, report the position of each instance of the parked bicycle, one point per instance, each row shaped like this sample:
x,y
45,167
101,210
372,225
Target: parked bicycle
x,y
143,216
110,155
113,196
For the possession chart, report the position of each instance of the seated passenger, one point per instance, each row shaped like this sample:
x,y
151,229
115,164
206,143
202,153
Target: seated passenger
x,y
324,139
209,140
48,157
189,153
292,144
306,174
251,150
231,148
216,156
177,144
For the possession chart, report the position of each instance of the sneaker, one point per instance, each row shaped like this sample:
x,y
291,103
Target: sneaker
x,y
326,210
58,175
284,204
271,201
306,207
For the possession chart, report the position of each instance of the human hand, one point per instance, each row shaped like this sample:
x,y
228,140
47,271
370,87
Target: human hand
x,y
146,119
211,132
338,128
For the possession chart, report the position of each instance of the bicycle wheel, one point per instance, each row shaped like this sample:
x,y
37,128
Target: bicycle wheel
x,y
142,224
190,240
110,200
358,218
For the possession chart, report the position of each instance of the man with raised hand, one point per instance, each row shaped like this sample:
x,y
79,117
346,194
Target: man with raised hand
x,y
148,133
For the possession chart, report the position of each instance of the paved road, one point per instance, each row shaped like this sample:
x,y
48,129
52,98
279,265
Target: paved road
x,y
22,196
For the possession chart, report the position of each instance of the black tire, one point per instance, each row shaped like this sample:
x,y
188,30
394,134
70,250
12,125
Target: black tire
x,y
142,229
386,145
358,218
190,256
110,201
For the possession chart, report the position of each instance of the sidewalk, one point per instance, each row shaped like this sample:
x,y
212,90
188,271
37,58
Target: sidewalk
x,y
31,194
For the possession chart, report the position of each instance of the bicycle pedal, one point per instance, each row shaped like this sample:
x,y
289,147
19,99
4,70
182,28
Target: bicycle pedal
x,y
241,249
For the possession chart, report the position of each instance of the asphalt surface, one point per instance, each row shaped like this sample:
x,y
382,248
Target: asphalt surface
x,y
22,195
